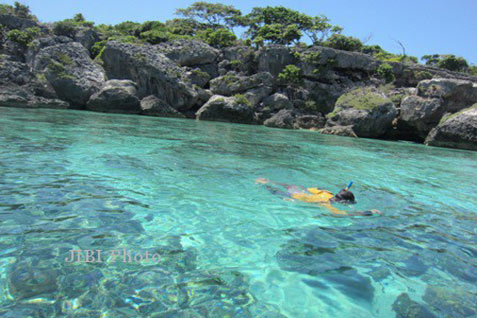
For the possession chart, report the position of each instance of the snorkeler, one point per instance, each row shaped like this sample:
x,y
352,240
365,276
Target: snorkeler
x,y
315,195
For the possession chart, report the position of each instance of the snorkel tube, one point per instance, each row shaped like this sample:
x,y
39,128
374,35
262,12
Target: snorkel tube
x,y
349,186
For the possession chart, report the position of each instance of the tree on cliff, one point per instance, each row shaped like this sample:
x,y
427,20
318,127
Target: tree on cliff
x,y
216,15
447,61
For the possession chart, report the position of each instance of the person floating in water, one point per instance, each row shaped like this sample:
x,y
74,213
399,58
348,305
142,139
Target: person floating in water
x,y
315,195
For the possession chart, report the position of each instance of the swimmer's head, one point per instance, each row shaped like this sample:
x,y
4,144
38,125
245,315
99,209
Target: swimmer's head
x,y
344,196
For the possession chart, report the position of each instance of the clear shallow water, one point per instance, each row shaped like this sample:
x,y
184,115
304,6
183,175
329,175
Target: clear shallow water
x,y
229,248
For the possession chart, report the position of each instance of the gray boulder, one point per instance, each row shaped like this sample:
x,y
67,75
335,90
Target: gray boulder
x,y
116,96
276,102
458,130
273,58
346,131
229,109
367,110
153,106
188,52
420,115
231,83
12,95
313,122
239,59
13,22
69,69
86,36
198,77
154,73
324,56
256,95
283,119
455,94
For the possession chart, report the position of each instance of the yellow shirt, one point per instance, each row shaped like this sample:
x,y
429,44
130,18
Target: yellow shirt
x,y
316,195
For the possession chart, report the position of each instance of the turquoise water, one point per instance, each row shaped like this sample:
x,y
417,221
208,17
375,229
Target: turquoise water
x,y
229,248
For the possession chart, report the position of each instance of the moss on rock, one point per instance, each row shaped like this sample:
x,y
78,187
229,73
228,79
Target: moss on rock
x,y
361,98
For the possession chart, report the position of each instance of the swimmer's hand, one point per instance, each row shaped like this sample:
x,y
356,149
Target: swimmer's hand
x,y
262,181
370,212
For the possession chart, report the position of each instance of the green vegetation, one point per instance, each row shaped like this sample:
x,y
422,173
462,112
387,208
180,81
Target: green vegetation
x,y
291,75
450,116
343,42
23,38
218,38
360,98
447,61
58,69
385,71
242,100
214,23
19,10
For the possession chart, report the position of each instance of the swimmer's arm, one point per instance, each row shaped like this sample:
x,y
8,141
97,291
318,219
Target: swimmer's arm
x,y
265,181
334,210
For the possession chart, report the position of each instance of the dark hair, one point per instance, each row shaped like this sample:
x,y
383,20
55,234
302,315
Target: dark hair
x,y
345,195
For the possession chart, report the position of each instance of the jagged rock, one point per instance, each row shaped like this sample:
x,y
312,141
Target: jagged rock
x,y
405,307
276,102
231,83
116,96
239,59
12,95
69,69
367,110
455,94
314,122
256,95
458,130
273,58
325,95
283,119
86,36
420,115
346,131
13,22
319,56
153,106
188,52
154,73
12,71
198,77
230,109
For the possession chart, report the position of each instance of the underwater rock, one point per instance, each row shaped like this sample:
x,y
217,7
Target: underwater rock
x,y
351,284
451,302
405,307
25,281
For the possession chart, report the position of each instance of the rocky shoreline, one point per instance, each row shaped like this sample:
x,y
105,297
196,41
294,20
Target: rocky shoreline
x,y
320,88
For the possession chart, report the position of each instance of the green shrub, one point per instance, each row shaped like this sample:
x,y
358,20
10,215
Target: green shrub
x,y
291,74
23,38
312,57
242,100
343,42
65,28
385,71
219,38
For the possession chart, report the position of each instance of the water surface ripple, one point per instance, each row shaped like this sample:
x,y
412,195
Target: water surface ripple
x,y
185,190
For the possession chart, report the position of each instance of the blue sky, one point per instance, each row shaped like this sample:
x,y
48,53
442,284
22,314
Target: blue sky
x,y
423,26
